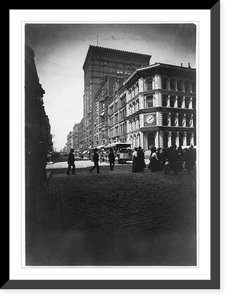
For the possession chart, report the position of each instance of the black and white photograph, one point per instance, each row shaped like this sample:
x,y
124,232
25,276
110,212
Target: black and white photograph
x,y
115,152
111,144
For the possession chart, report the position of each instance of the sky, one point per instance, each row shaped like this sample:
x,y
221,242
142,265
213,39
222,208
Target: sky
x,y
61,48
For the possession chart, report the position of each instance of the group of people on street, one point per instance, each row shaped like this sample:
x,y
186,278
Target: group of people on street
x,y
172,159
169,159
111,158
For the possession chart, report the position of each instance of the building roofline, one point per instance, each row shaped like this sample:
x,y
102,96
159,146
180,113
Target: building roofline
x,y
154,66
111,49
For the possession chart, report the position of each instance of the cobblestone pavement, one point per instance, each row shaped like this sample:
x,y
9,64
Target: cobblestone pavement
x,y
115,218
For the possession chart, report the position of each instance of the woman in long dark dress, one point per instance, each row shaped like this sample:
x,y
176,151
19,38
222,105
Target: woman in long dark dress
x,y
140,160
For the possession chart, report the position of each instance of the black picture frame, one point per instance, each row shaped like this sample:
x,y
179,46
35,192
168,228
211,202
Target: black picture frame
x,y
214,282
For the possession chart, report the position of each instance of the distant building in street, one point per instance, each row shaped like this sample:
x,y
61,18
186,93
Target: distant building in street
x,y
100,110
81,136
76,136
69,141
99,62
161,106
117,115
38,139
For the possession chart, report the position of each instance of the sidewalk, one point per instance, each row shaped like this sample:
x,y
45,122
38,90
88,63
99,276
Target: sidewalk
x,y
115,218
82,164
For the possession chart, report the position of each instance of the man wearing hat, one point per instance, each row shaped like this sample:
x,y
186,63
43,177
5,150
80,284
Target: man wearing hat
x,y
71,162
96,161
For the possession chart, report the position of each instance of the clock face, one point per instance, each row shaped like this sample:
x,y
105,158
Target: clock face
x,y
150,119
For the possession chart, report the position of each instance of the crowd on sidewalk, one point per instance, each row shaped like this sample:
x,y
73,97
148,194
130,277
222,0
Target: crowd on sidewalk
x,y
169,159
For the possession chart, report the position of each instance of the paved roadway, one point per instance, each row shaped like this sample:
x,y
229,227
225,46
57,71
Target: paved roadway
x,y
113,218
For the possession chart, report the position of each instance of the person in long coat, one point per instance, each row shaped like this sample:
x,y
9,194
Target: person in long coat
x,y
71,162
96,161
190,159
111,157
140,160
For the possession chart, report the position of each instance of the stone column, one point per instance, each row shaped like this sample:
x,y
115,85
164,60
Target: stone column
x,y
176,102
153,83
190,103
168,100
169,139
177,120
161,139
177,141
192,139
185,139
157,139
169,119
141,84
191,121
184,120
183,102
141,101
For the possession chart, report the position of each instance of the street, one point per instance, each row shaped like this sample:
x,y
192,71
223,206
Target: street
x,y
115,218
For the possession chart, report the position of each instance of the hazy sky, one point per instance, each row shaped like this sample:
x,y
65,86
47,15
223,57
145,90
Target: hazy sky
x,y
60,51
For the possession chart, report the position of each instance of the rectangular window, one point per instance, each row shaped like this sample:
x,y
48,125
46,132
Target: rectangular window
x,y
164,100
165,119
149,101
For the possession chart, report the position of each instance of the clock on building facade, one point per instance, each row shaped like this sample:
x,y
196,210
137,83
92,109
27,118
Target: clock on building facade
x,y
150,119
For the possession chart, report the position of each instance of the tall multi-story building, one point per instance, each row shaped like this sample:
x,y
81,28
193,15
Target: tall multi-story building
x,y
99,62
76,136
161,106
100,110
117,115
69,141
81,135
38,139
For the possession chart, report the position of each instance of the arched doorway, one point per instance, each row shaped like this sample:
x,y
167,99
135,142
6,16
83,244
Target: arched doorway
x,y
151,140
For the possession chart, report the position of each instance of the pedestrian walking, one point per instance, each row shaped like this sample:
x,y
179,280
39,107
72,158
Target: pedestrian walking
x,y
71,162
111,157
190,159
134,161
154,161
96,161
173,160
140,160
167,167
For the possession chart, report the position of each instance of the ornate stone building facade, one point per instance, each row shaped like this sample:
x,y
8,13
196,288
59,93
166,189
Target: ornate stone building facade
x,y
161,106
